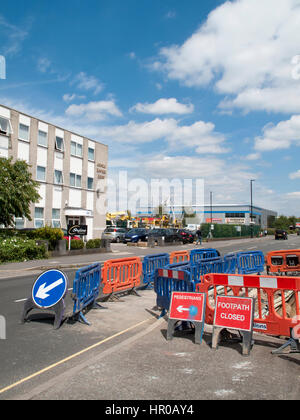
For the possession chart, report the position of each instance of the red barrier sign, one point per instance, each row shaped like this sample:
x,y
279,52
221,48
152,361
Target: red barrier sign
x,y
234,312
187,306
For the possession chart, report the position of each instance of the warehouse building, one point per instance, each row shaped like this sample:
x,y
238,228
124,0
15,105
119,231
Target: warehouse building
x,y
70,168
237,214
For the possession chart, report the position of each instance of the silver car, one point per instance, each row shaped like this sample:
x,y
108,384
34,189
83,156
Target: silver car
x,y
115,234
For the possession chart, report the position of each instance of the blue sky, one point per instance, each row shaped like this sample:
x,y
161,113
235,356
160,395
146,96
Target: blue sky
x,y
197,89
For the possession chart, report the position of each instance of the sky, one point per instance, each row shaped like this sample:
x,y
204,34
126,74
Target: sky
x,y
204,90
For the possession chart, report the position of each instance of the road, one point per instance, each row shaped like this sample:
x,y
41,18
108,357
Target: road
x,y
34,355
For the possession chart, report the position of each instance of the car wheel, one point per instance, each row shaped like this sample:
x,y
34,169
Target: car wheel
x,y
118,240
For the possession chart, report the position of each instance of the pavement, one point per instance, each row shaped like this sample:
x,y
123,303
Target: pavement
x,y
124,353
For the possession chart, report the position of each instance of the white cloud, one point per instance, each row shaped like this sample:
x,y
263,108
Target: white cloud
x,y
94,111
200,136
14,36
253,156
294,195
88,83
164,106
43,64
295,175
280,136
246,49
70,98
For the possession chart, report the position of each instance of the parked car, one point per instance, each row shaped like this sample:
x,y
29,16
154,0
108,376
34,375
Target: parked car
x,y
115,234
281,234
187,236
169,235
136,235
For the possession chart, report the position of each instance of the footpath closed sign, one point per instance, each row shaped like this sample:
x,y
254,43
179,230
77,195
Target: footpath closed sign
x,y
187,306
237,313
234,312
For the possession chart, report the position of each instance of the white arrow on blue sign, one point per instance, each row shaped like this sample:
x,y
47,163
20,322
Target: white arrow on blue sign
x,y
49,288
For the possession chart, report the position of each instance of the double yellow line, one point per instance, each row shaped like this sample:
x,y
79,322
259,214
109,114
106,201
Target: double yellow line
x,y
67,359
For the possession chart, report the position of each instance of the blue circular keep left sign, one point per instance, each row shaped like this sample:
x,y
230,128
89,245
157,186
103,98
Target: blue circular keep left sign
x,y
49,288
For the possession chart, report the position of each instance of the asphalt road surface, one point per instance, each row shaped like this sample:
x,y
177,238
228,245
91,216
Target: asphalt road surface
x,y
123,353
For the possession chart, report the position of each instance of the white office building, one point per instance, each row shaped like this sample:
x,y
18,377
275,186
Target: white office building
x,y
70,168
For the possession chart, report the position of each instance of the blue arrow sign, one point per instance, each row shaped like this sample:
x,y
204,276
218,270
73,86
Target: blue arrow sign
x,y
49,288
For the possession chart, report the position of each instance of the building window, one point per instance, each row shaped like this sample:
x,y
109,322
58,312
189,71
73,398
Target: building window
x,y
38,217
56,218
91,154
75,180
42,138
40,173
5,126
23,132
233,215
59,143
19,223
58,177
90,183
76,149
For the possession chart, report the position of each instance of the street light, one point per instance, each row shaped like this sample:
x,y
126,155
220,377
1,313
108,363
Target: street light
x,y
251,214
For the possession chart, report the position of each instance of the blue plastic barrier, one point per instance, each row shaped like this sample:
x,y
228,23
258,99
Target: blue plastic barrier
x,y
86,289
250,262
167,281
202,267
203,254
150,264
230,263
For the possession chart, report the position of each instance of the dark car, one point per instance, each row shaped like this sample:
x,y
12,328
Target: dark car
x,y
186,236
169,235
281,234
136,235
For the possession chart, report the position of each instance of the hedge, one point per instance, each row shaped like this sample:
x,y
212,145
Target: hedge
x,y
228,231
18,249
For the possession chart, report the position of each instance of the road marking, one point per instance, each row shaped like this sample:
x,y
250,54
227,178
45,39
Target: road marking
x,y
252,247
67,359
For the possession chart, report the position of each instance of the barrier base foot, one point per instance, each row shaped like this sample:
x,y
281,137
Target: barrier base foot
x,y
134,292
58,309
292,343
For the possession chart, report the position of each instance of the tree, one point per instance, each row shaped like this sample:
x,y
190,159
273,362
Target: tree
x,y
17,191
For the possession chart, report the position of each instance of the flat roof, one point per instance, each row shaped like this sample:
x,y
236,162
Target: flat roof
x,y
54,125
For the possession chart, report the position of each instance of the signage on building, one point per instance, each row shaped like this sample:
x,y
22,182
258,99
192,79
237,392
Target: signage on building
x,y
77,230
101,170
213,220
235,220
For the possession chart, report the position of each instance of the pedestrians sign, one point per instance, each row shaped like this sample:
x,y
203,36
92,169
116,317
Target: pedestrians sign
x,y
187,306
49,288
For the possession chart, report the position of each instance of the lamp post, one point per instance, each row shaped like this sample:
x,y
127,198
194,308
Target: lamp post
x,y
251,213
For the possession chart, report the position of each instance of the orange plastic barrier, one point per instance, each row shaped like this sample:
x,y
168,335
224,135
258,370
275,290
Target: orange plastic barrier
x,y
179,256
283,261
122,274
267,320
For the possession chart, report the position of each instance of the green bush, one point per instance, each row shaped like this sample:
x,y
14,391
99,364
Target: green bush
x,y
228,231
77,244
52,235
93,243
19,249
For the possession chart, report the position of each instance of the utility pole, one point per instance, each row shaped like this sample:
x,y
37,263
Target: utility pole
x,y
251,213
